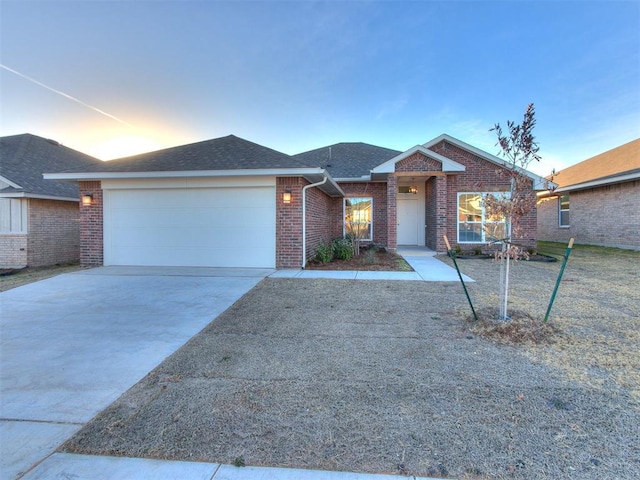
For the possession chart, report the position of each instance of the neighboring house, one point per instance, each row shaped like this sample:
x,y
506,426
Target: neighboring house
x,y
38,218
229,202
596,201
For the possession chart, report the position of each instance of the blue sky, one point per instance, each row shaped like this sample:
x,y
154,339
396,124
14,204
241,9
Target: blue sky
x,y
295,76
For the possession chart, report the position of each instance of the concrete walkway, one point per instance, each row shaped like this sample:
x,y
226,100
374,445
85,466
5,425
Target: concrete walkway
x,y
72,344
426,268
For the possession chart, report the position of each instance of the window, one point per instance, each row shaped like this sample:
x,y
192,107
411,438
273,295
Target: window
x,y
563,213
357,217
13,215
475,225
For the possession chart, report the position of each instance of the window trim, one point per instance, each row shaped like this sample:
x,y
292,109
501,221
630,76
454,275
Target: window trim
x,y
482,222
561,210
344,216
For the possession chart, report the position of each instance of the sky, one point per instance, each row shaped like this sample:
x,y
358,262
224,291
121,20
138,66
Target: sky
x,y
116,78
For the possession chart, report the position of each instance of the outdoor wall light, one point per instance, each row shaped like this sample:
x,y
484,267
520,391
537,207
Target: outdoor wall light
x,y
87,199
413,189
286,196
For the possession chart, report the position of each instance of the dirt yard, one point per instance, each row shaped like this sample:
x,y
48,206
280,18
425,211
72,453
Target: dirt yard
x,y
387,377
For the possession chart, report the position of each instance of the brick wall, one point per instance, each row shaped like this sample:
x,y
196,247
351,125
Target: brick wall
x,y
321,221
289,223
91,226
13,250
418,162
379,193
607,216
480,176
54,234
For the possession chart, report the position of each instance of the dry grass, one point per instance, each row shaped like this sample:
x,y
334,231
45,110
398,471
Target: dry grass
x,y
387,377
521,328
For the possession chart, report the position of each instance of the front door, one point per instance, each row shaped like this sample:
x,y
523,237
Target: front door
x,y
408,221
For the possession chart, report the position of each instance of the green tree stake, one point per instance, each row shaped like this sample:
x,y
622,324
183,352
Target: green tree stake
x,y
555,290
453,257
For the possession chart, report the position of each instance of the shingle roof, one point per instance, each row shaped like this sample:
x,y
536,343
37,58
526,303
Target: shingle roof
x,y
348,160
225,153
622,159
24,158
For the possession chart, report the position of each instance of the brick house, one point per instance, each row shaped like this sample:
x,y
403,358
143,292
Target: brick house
x,y
596,201
38,218
228,202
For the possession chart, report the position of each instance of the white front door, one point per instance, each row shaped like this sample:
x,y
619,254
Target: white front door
x,y
408,221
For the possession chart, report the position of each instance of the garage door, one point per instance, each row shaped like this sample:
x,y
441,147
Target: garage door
x,y
209,227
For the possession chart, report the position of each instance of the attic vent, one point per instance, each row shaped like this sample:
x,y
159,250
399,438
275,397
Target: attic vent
x,y
53,142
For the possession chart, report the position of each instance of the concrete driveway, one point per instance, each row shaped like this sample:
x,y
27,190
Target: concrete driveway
x,y
72,344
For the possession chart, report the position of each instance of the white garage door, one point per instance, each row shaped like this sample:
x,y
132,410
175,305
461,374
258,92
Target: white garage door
x,y
204,227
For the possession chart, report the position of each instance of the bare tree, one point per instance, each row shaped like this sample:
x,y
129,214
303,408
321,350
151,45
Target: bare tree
x,y
519,148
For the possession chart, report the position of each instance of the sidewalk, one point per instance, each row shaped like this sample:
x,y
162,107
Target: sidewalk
x,y
89,467
426,268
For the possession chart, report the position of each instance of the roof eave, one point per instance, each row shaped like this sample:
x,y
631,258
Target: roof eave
x,y
539,183
599,183
279,172
9,182
38,196
448,165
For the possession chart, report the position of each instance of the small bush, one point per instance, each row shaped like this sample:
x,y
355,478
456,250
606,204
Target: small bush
x,y
370,256
342,248
324,253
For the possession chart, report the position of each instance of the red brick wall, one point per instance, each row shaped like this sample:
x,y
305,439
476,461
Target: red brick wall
x,y
321,223
392,214
91,226
320,220
54,234
418,162
480,176
607,216
289,223
377,191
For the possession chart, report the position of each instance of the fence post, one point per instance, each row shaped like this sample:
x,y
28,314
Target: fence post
x,y
555,290
453,257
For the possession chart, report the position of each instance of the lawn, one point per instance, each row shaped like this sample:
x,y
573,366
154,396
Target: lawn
x,y
388,377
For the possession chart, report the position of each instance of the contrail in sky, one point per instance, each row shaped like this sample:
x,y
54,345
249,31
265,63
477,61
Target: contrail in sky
x,y
95,109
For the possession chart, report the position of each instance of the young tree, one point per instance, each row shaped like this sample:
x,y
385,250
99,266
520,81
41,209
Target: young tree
x,y
519,148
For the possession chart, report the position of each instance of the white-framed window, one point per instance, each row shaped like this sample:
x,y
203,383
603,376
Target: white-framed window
x,y
13,215
563,211
475,225
358,218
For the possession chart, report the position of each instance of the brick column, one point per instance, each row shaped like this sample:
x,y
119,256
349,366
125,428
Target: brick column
x,y
289,223
91,226
392,213
443,214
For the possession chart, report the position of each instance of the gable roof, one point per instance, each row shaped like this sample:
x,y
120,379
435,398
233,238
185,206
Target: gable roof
x,y
26,157
353,160
448,165
539,183
619,164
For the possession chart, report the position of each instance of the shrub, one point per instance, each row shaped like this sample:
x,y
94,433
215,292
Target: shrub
x,y
342,248
324,253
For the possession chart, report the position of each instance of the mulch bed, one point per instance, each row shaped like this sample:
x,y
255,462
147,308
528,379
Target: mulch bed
x,y
368,260
387,377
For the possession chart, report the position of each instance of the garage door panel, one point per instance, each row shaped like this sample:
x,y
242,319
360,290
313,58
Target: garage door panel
x,y
191,227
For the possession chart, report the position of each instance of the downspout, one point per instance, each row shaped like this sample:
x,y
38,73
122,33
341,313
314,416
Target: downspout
x,y
304,218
